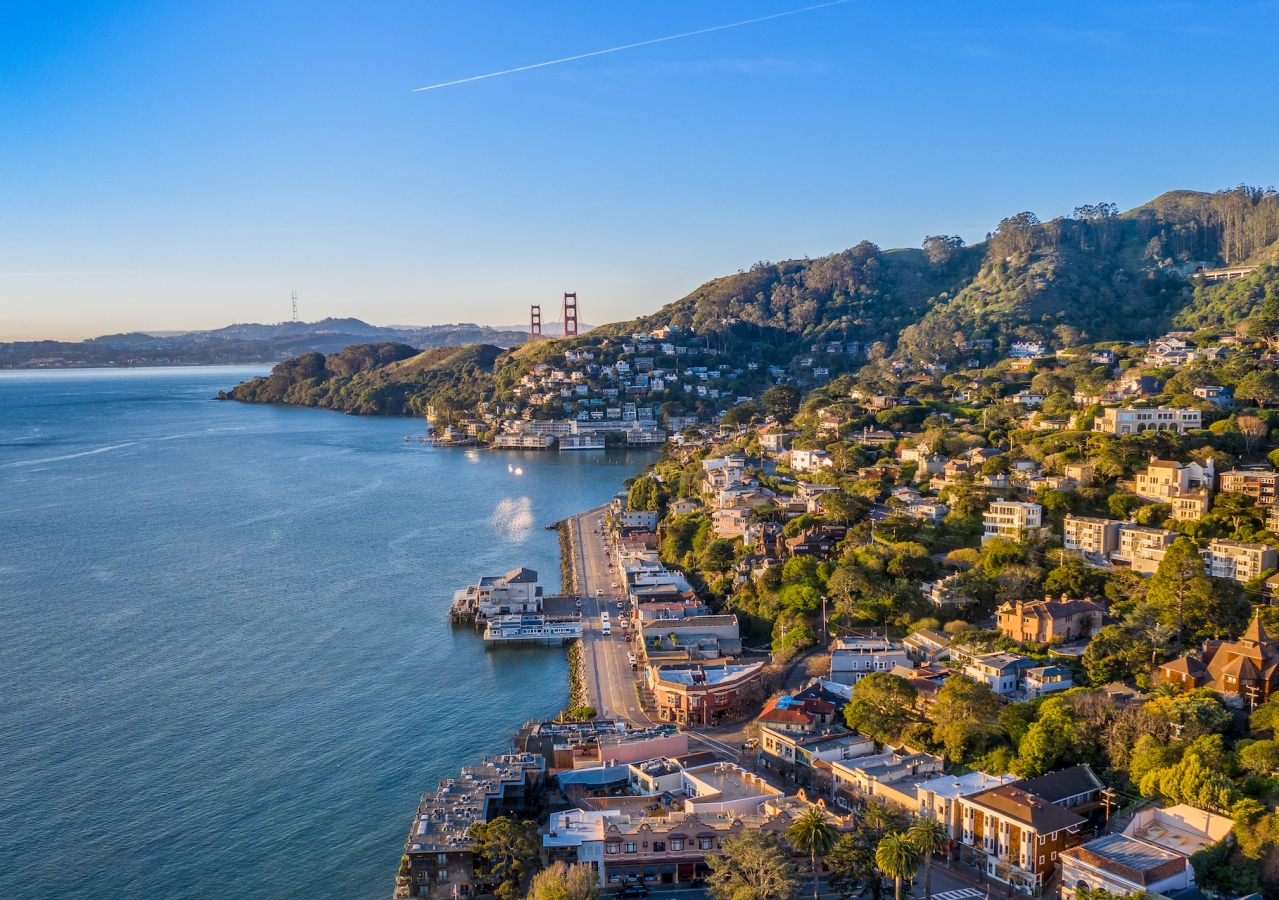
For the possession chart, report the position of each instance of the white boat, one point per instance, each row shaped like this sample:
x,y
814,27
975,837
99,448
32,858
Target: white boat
x,y
531,629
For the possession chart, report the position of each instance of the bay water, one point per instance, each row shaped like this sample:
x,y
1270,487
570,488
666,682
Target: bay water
x,y
225,669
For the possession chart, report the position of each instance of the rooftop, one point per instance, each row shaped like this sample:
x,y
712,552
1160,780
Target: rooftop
x,y
954,786
724,782
708,675
1182,829
1137,861
1039,813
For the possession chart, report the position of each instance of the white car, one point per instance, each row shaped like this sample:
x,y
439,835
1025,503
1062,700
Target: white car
x,y
599,592
579,604
630,657
614,584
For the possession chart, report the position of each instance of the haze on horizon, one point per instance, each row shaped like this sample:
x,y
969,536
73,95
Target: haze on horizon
x,y
176,167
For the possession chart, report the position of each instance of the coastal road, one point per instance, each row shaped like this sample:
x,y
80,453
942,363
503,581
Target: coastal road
x,y
610,680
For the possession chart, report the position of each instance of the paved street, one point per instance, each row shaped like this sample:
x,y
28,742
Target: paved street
x,y
608,671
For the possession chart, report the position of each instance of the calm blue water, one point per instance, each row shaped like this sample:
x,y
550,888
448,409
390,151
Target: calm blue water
x,y
224,666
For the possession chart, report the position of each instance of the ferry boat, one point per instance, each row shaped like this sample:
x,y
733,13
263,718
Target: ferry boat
x,y
531,629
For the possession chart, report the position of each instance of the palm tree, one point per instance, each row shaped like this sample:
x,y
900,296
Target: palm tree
x,y
897,858
929,836
812,833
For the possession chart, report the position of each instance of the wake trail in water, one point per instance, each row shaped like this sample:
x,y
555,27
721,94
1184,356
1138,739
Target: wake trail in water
x,y
49,459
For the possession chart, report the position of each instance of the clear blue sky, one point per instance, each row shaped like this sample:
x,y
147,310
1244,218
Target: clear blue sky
x,y
188,164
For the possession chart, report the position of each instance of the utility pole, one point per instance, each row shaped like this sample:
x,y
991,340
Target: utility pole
x,y
823,622
1108,794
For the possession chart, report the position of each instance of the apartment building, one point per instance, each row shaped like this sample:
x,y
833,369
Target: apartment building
x,y
1142,547
1191,507
1133,421
1011,519
1238,560
1092,538
1258,484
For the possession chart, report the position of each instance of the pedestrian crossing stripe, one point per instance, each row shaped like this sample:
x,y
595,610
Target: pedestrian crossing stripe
x,y
962,894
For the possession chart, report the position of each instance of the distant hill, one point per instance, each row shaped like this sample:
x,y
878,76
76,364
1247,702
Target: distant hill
x,y
247,343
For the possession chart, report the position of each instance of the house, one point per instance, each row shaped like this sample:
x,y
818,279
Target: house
x,y
1011,519
1043,680
1028,350
1216,395
682,506
637,518
1142,547
690,637
696,694
1045,621
855,657
1238,560
1001,671
819,541
1162,479
1076,788
944,591
810,461
1181,828
1257,484
1134,421
1190,507
1124,866
1015,836
926,645
1248,667
837,695
1027,398
798,713
1092,538
775,441
795,751
731,523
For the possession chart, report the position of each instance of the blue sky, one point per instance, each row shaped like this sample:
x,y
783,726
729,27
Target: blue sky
x,y
188,164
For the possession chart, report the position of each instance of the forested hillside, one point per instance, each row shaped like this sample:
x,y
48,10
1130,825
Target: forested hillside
x,y
1094,276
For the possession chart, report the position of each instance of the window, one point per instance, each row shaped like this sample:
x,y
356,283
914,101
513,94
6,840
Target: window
x,y
1041,860
442,875
706,843
677,845
659,846
613,847
442,859
630,846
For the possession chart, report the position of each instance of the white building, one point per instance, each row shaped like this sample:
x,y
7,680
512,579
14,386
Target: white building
x,y
1001,671
1142,547
517,592
1011,519
1124,866
809,461
1090,537
1133,421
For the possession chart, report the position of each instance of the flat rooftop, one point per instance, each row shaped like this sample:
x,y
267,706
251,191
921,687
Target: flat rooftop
x,y
1134,854
728,782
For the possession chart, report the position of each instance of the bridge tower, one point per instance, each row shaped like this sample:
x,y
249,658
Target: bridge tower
x,y
570,315
535,323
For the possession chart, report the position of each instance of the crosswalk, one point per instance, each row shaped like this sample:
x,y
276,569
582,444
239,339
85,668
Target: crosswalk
x,y
961,894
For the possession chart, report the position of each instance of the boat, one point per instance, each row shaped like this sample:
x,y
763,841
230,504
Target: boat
x,y
532,629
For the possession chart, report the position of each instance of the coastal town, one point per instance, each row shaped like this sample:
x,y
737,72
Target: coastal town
x,y
1005,629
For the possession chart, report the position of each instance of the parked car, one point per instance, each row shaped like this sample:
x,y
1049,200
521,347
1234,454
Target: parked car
x,y
579,602
633,890
599,592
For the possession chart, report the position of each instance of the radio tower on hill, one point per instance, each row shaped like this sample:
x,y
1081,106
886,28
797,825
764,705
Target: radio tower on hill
x,y
295,306
570,315
535,323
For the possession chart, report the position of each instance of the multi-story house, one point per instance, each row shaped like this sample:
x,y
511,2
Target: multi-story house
x,y
1016,836
1216,395
1164,479
1238,560
1043,621
1191,507
1134,421
1092,538
1011,519
795,751
855,657
696,694
927,646
1257,484
1001,671
810,461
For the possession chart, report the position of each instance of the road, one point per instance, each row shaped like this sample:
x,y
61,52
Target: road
x,y
611,683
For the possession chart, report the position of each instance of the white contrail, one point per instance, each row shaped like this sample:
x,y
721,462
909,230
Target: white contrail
x,y
555,62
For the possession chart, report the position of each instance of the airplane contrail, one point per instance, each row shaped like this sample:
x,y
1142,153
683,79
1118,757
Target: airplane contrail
x,y
673,37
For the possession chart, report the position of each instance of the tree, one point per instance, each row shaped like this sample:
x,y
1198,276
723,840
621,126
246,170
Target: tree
x,y
852,862
1049,738
564,882
812,833
843,507
755,865
645,494
1261,386
929,836
964,715
506,851
879,706
897,858
782,400
1179,585
942,250
1122,505
1115,653
1260,757
1254,431
1075,579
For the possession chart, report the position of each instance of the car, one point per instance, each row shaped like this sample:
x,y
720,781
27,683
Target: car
x,y
579,602
614,584
619,604
630,658
632,890
599,592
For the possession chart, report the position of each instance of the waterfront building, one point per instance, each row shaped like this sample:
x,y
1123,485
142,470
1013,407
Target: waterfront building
x,y
514,593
